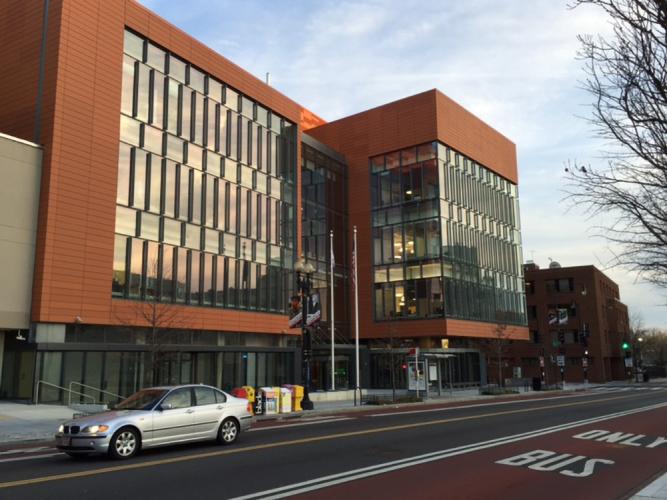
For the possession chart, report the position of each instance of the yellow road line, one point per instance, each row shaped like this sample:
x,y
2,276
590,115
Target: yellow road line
x,y
233,451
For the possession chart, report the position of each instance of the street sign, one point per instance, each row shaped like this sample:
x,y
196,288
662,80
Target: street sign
x,y
541,361
628,362
561,360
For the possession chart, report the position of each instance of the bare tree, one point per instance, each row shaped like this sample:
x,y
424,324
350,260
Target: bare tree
x,y
626,74
160,318
654,347
498,345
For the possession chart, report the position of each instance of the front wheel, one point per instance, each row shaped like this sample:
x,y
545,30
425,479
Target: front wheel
x,y
124,444
228,432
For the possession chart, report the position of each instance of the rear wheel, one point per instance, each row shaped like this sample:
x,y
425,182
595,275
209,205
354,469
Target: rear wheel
x,y
124,444
228,432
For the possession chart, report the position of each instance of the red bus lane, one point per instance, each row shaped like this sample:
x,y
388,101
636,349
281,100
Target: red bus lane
x,y
607,459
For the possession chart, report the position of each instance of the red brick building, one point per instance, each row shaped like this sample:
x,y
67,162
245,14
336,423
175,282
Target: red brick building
x,y
574,313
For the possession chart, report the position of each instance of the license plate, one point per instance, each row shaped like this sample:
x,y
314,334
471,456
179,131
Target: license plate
x,y
65,441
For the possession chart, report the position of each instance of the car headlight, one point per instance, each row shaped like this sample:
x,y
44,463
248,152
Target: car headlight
x,y
94,429
61,429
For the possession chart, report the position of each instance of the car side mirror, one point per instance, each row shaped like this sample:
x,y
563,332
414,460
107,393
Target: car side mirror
x,y
166,406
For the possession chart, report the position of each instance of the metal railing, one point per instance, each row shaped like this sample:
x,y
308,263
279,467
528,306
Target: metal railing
x,y
73,382
49,384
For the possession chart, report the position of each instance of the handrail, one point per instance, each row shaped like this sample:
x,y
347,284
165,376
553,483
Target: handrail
x,y
43,382
91,387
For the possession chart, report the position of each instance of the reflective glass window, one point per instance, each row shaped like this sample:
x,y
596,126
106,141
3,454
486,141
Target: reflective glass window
x,y
126,221
181,274
157,100
134,45
176,68
220,281
196,80
195,279
130,130
143,92
150,226
152,140
231,99
123,186
172,106
192,236
127,98
169,188
172,232
119,266
207,273
139,188
136,268
156,57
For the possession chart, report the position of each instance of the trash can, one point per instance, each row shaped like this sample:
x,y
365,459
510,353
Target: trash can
x,y
285,400
270,400
537,383
250,391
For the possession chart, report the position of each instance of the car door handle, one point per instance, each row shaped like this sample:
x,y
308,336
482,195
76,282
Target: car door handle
x,y
220,407
189,410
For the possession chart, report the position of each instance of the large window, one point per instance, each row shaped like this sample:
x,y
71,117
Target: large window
x,y
198,164
445,238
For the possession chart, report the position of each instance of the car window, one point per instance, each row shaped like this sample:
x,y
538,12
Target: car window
x,y
204,396
180,398
220,397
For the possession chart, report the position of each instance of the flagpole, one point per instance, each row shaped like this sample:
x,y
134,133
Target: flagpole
x,y
356,317
333,323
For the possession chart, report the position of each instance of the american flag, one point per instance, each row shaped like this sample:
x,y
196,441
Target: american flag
x,y
354,258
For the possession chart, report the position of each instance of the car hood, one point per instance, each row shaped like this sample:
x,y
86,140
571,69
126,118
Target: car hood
x,y
106,417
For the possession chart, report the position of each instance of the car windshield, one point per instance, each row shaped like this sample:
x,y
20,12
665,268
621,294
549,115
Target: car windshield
x,y
145,399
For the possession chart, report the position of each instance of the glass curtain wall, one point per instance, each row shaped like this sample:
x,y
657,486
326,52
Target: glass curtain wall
x,y
205,195
324,201
446,238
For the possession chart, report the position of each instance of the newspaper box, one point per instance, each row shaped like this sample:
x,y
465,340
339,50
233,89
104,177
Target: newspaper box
x,y
297,396
250,391
285,400
239,392
270,400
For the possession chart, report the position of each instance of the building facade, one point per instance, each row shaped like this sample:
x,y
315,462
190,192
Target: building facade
x,y
433,195
577,327
177,191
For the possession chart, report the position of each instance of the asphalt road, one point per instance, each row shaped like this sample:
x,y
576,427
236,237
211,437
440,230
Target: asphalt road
x,y
543,447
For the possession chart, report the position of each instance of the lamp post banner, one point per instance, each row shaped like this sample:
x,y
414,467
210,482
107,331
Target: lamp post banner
x,y
314,309
295,312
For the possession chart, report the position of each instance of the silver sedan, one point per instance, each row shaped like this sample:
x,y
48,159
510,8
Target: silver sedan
x,y
155,417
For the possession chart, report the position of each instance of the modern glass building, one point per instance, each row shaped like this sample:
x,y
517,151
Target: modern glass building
x,y
446,240
177,192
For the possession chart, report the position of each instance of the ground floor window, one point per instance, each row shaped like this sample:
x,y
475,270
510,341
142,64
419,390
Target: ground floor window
x,y
107,376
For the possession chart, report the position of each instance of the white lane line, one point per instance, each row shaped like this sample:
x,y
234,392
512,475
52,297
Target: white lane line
x,y
31,457
450,408
254,429
374,470
26,450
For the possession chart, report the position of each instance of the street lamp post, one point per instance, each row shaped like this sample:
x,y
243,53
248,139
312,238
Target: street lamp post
x,y
304,270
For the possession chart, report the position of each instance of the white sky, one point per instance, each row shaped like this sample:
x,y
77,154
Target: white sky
x,y
511,62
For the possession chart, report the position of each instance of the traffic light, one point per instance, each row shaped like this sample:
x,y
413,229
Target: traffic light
x,y
625,345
